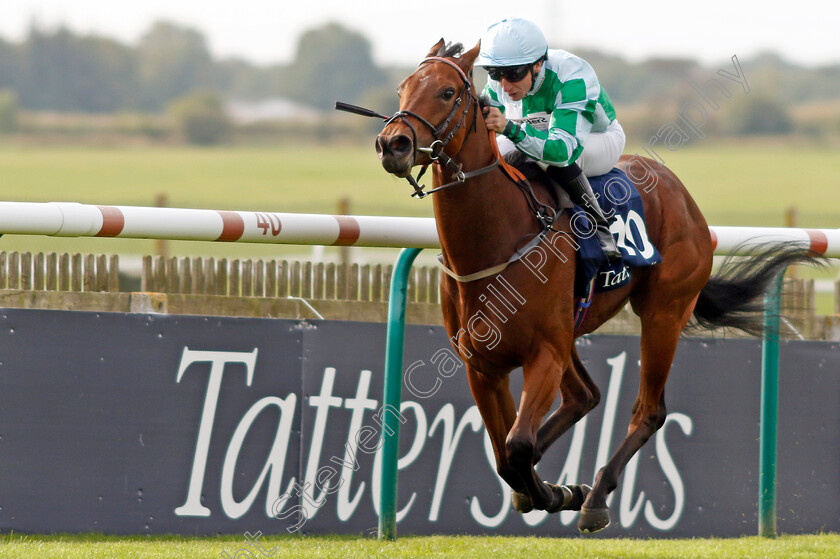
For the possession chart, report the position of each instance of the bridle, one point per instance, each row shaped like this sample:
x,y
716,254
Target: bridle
x,y
438,130
435,151
544,214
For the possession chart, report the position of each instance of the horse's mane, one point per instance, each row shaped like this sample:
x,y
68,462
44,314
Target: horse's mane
x,y
450,50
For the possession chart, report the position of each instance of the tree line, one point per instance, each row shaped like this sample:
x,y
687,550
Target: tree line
x,y
60,70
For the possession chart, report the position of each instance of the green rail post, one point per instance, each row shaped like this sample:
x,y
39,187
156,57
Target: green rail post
x,y
394,339
769,410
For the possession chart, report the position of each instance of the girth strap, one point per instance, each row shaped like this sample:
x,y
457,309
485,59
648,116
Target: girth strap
x,y
493,270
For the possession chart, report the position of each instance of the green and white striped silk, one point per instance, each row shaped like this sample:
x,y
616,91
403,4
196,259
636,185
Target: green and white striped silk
x,y
557,115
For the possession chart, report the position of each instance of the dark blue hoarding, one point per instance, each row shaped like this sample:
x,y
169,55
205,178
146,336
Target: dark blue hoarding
x,y
135,423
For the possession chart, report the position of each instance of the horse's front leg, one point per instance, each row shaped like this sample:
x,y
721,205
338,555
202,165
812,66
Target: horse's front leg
x,y
579,395
498,411
543,377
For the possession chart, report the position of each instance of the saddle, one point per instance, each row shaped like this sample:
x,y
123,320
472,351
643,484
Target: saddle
x,y
530,170
622,205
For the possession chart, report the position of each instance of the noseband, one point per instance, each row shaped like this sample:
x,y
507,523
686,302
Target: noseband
x,y
544,214
435,151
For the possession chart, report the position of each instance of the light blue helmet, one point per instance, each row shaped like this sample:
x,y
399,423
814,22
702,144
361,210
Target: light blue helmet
x,y
511,42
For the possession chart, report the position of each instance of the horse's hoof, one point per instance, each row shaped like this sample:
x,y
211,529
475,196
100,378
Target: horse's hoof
x,y
593,520
521,502
561,496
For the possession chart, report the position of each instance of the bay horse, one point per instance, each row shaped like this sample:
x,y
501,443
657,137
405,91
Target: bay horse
x,y
482,219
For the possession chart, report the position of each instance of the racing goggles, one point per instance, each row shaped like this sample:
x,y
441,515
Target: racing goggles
x,y
510,73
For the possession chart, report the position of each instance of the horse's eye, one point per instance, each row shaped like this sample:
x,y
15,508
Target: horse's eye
x,y
448,94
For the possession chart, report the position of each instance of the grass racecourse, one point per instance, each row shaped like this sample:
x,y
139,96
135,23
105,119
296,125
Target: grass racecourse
x,y
734,183
455,547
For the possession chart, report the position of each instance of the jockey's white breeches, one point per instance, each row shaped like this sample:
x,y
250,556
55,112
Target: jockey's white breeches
x,y
602,150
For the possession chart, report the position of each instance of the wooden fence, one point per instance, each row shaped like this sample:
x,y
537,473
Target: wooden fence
x,y
53,272
273,288
283,289
284,278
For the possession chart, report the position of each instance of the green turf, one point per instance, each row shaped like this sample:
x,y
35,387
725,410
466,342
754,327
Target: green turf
x,y
307,179
347,547
754,183
286,179
735,183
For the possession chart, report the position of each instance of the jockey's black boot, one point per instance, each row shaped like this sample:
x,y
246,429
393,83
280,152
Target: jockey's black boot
x,y
575,183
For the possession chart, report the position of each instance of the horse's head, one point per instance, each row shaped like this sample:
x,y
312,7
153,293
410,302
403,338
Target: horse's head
x,y
434,103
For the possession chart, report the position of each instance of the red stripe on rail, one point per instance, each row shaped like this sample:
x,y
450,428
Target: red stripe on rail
x,y
714,239
819,241
348,230
233,226
113,221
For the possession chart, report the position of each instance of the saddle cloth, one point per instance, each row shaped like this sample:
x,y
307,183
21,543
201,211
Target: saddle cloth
x,y
622,205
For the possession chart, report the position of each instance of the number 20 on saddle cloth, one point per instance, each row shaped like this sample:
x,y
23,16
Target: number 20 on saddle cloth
x,y
622,206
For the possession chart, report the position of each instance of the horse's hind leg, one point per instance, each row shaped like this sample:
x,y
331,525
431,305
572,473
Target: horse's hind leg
x,y
660,333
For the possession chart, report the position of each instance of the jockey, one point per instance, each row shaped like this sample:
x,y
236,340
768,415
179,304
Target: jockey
x,y
548,104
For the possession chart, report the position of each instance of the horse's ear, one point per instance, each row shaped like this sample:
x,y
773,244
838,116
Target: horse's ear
x,y
466,60
435,49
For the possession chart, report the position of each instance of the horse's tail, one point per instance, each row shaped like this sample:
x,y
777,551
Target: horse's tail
x,y
734,297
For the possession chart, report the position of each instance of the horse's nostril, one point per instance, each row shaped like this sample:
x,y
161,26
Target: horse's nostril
x,y
393,148
400,145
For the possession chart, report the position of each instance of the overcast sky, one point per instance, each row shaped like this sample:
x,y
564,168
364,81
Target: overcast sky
x,y
266,31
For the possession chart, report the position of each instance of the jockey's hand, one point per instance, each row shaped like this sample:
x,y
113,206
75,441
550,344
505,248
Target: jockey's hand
x,y
494,119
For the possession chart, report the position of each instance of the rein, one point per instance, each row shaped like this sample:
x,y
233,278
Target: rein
x,y
435,151
544,214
